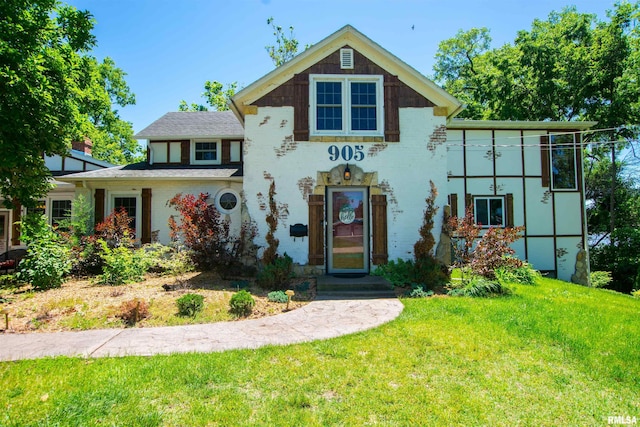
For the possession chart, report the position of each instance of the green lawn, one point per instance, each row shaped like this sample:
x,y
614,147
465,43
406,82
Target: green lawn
x,y
552,354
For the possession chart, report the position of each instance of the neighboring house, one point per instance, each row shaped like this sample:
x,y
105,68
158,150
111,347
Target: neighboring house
x,y
57,204
351,136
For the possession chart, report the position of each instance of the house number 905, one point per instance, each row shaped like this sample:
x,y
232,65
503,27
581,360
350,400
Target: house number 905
x,y
347,153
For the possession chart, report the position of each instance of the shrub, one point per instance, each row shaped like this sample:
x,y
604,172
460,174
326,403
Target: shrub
x,y
419,292
278,296
523,275
276,275
479,286
48,259
399,273
424,246
133,311
121,265
494,251
241,303
600,279
207,235
163,259
270,254
190,304
116,229
426,272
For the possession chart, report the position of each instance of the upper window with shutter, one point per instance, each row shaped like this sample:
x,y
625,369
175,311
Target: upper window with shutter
x,y
563,162
346,105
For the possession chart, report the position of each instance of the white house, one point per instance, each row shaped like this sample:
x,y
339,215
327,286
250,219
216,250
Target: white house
x,y
351,136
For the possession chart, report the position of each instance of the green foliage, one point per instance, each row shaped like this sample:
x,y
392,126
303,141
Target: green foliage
x,y
190,304
276,275
286,46
494,251
217,97
524,274
53,92
478,286
621,258
401,273
271,251
48,259
418,291
163,259
121,265
133,311
600,279
278,296
241,303
8,281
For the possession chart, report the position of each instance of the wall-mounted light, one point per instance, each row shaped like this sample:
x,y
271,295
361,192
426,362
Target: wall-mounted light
x,y
347,173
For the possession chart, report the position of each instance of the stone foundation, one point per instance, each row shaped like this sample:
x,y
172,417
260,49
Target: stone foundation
x,y
581,276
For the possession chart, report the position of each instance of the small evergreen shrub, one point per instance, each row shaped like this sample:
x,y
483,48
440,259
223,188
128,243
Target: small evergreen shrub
x,y
523,275
426,272
600,279
278,296
190,304
419,292
133,311
276,275
399,273
241,303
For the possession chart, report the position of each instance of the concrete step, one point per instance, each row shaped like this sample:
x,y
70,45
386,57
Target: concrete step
x,y
360,286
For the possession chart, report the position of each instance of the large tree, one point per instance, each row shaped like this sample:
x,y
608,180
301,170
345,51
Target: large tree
x,y
53,92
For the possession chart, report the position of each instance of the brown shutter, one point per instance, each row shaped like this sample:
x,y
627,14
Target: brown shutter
x,y
146,216
184,152
391,109
379,225
301,107
99,205
468,203
544,158
15,228
453,203
226,152
316,229
509,211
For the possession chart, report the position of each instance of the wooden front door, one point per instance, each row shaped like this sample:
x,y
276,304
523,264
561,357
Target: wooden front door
x,y
348,230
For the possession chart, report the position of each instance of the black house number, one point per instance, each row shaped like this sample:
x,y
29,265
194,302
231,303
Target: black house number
x,y
346,153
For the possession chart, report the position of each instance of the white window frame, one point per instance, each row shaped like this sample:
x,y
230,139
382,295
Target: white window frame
x,y
346,79
128,194
575,162
218,159
222,210
488,199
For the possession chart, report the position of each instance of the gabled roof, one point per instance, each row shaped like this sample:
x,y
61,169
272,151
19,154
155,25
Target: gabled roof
x,y
193,124
347,35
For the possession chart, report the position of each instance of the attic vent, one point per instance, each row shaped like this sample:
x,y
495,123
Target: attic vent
x,y
346,59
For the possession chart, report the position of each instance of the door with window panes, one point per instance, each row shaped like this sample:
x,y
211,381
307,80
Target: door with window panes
x,y
348,225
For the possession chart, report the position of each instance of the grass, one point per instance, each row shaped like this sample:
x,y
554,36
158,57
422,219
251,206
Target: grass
x,y
551,354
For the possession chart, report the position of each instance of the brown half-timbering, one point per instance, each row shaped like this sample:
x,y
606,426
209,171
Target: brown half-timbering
x,y
226,151
301,107
99,205
509,210
145,237
316,229
391,112
380,251
453,203
15,227
544,158
185,147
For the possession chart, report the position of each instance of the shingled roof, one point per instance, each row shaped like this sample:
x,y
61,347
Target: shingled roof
x,y
143,170
194,124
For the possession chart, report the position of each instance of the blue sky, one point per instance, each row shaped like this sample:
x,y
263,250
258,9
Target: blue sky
x,y
170,48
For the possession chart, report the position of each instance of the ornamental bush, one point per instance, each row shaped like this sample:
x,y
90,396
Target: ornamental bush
x,y
278,296
276,275
48,259
133,311
241,303
190,304
122,265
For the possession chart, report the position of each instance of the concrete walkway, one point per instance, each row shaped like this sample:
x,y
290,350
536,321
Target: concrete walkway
x,y
320,319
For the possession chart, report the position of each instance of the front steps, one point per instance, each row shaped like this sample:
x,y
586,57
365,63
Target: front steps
x,y
345,286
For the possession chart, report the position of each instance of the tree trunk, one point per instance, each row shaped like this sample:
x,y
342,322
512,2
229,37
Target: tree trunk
x,y
612,211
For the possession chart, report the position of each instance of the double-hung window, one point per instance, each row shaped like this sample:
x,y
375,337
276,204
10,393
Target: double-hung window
x,y
563,162
130,206
489,211
346,105
60,211
205,152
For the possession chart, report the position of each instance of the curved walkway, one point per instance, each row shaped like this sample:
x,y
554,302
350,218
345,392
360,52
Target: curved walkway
x,y
320,319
